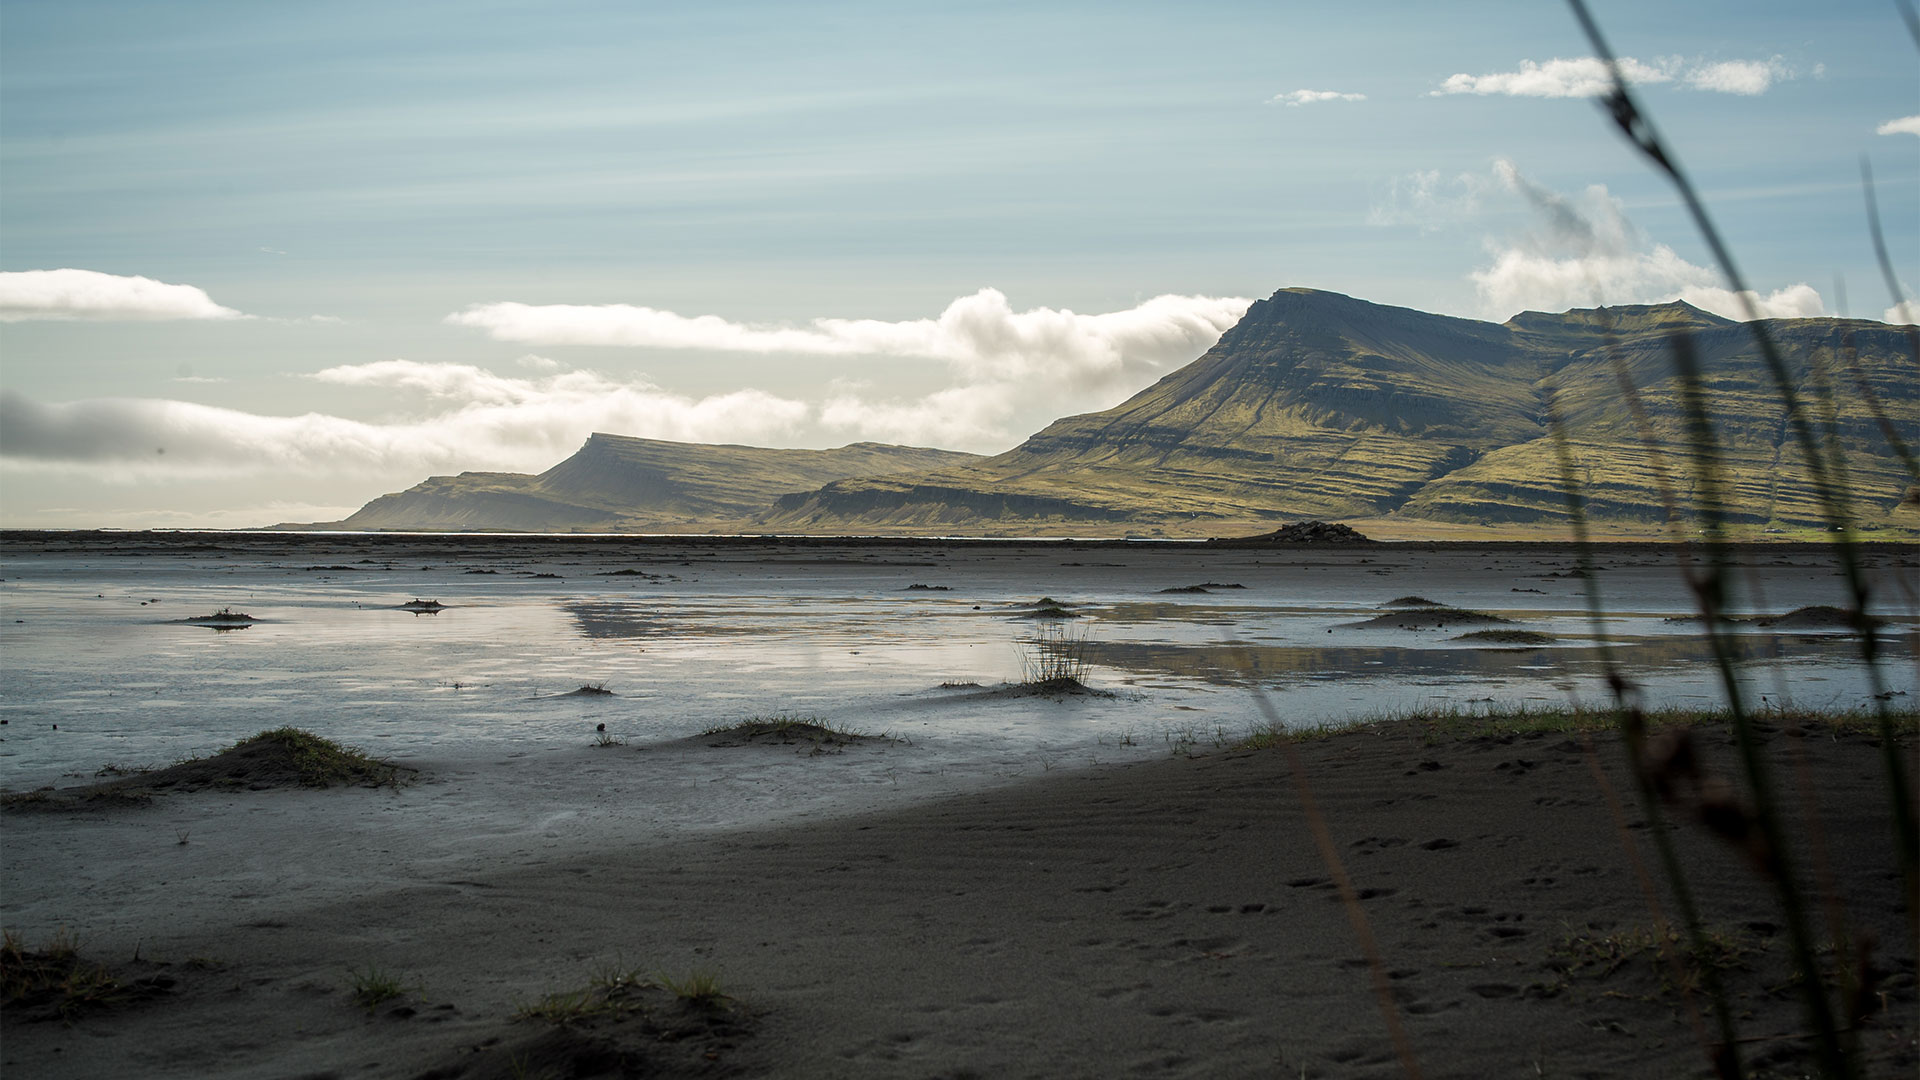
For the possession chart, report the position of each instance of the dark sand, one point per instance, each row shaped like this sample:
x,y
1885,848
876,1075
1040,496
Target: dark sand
x,y
1169,918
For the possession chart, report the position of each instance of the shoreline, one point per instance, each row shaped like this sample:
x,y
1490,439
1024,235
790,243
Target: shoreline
x,y
1162,917
462,541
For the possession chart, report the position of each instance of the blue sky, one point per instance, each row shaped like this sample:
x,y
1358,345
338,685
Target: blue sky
x,y
382,241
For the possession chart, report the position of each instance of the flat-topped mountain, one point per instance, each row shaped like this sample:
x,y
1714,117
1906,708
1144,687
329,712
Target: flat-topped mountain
x,y
1321,405
615,483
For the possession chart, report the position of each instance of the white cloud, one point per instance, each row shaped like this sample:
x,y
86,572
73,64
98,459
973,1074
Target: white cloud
x,y
1586,76
475,420
89,294
1313,97
980,337
1903,313
1747,77
973,329
1583,252
1906,125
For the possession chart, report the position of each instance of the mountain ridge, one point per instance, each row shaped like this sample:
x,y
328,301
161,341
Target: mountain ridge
x,y
1314,405
1322,405
623,483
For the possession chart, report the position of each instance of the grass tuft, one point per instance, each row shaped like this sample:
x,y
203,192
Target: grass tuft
x,y
54,977
700,989
373,987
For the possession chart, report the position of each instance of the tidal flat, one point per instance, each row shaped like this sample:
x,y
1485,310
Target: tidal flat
x,y
956,878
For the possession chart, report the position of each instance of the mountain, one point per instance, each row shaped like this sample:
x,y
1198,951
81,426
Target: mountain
x,y
615,483
1321,405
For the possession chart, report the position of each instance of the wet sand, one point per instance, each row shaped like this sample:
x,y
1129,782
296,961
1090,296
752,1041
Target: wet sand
x,y
1167,918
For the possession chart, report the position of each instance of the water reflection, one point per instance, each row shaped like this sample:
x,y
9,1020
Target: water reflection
x,y
1242,665
616,618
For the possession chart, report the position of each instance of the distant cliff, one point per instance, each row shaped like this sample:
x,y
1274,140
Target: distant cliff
x,y
619,484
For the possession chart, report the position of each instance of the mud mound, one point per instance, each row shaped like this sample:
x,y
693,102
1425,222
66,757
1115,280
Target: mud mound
x,y
1815,617
779,731
1438,617
282,758
1305,532
1507,637
630,1030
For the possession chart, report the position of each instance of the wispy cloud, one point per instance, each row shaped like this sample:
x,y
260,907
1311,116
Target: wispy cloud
x,y
1906,125
89,294
1582,251
1430,201
1586,76
1313,97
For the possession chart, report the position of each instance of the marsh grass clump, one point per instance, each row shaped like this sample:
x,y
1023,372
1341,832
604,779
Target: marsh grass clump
x,y
620,994
1055,660
787,729
1669,963
314,761
226,616
53,980
373,987
699,989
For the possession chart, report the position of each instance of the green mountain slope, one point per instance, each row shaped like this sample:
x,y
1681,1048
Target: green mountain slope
x,y
619,484
1320,405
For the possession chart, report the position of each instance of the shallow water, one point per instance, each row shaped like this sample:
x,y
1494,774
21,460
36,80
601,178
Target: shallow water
x,y
100,668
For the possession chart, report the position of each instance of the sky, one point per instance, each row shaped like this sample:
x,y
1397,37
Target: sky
x,y
265,262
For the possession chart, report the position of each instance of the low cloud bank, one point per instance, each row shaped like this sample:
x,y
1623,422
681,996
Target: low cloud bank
x,y
1006,367
478,422
999,360
91,295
